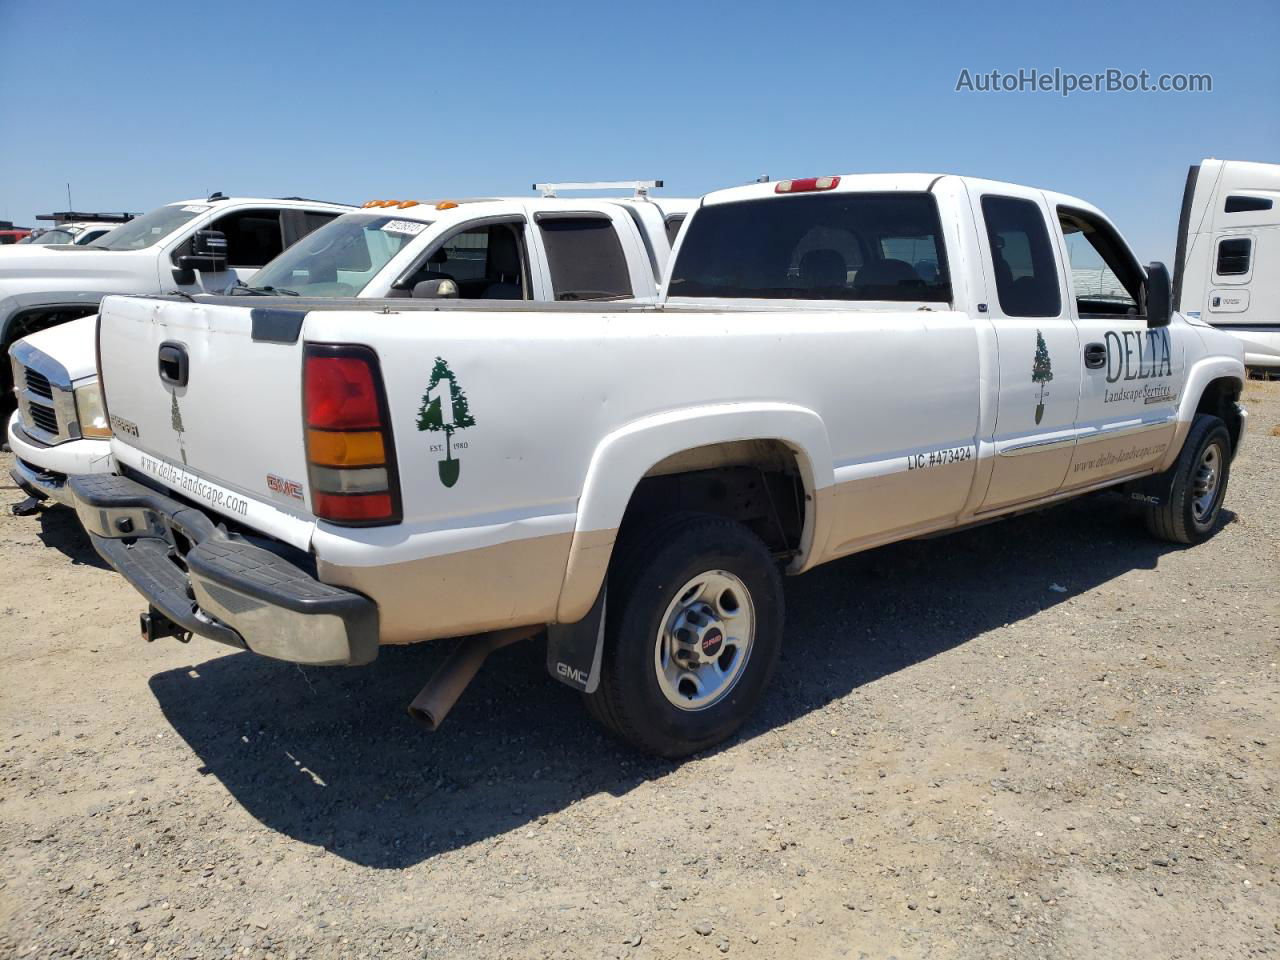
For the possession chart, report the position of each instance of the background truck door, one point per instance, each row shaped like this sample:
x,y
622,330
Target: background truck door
x,y
1039,349
1131,376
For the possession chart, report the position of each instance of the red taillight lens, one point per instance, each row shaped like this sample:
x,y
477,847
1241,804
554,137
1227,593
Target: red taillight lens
x,y
358,507
340,393
806,185
350,453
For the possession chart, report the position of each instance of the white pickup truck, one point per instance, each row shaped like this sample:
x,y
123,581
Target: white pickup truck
x,y
466,249
836,363
191,246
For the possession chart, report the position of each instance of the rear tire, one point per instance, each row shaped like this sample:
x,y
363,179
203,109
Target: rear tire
x,y
1194,486
693,629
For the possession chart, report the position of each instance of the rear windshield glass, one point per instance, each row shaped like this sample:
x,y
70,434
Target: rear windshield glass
x,y
843,246
150,228
340,258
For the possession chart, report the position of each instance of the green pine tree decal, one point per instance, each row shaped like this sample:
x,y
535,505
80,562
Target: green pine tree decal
x,y
175,420
1041,371
432,417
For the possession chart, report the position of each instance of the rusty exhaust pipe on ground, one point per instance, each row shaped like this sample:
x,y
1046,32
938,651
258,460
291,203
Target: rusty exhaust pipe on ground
x,y
436,699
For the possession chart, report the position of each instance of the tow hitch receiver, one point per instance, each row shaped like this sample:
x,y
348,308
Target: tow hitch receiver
x,y
155,626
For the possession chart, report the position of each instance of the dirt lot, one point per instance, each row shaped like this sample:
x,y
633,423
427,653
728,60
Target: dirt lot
x,y
1050,737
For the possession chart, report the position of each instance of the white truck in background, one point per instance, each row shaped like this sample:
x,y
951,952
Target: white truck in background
x,y
192,246
1227,265
835,363
76,233
551,248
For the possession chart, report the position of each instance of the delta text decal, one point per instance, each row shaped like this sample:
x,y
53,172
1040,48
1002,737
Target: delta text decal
x,y
1137,362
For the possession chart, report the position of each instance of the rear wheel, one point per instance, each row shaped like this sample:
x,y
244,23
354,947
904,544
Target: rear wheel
x,y
1197,483
692,634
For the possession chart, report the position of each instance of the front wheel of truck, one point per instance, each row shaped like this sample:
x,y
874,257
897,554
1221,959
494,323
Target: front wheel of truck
x,y
1196,485
692,633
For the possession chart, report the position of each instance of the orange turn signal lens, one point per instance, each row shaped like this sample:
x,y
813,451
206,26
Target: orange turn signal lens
x,y
346,448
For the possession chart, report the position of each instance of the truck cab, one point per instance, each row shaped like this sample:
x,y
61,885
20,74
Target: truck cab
x,y
1227,269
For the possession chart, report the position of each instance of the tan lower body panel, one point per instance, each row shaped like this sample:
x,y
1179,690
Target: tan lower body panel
x,y
588,563
1104,456
864,510
507,585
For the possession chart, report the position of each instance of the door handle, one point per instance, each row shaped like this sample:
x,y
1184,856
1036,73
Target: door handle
x,y
175,368
1095,356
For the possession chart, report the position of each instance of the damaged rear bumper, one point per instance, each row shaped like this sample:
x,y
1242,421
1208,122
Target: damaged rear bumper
x,y
220,586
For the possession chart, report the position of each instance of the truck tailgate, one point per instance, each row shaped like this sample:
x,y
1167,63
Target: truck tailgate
x,y
199,405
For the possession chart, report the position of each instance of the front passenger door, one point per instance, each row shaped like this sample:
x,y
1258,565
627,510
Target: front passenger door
x,y
1038,347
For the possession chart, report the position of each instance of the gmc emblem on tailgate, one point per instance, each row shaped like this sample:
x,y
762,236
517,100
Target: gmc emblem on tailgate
x,y
286,488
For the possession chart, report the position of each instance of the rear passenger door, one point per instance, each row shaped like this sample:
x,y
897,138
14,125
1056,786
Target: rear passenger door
x,y
1038,346
593,255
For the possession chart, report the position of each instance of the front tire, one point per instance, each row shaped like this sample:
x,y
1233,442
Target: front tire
x,y
1196,485
692,634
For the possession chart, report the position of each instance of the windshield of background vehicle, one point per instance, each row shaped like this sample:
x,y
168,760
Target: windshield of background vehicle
x,y
340,258
150,228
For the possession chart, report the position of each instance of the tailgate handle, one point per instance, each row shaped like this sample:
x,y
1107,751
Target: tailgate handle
x,y
175,368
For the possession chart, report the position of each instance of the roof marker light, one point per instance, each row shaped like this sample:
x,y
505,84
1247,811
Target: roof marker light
x,y
445,205
406,204
806,185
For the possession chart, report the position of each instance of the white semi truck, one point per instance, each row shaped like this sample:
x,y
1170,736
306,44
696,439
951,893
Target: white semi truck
x,y
1227,269
835,363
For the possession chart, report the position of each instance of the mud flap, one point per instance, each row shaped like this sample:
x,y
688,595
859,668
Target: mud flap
x,y
1153,490
574,650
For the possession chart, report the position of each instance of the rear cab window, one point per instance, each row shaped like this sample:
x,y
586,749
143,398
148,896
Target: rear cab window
x,y
835,246
1021,257
585,257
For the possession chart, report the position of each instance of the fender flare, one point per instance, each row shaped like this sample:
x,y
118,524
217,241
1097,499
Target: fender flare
x,y
623,458
1199,375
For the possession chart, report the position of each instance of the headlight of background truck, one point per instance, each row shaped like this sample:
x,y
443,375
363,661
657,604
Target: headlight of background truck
x,y
93,418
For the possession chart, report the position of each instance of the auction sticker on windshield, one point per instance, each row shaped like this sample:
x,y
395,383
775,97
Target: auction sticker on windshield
x,y
409,227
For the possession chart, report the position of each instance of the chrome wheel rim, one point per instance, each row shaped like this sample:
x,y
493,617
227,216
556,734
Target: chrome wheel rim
x,y
704,640
1204,482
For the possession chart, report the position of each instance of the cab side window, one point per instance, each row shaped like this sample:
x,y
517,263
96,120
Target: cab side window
x,y
673,228
1233,256
1105,277
585,257
253,237
1022,259
487,263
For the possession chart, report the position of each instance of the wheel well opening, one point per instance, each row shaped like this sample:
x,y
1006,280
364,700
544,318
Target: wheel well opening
x,y
1219,399
755,482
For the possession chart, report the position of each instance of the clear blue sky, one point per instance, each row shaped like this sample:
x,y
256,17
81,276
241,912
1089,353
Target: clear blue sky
x,y
138,103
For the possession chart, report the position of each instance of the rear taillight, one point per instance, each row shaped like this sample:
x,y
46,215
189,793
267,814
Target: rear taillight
x,y
350,450
806,185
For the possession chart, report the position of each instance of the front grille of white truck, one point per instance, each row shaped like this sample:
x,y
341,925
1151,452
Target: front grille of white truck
x,y
46,408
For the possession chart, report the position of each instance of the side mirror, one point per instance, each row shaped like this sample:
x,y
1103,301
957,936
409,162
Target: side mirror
x,y
440,289
1159,290
208,252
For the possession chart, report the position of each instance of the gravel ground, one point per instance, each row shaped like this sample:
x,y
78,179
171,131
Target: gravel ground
x,y
1049,737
